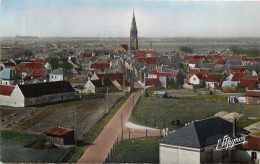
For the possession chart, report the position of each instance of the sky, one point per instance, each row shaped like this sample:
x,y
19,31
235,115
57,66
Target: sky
x,y
112,18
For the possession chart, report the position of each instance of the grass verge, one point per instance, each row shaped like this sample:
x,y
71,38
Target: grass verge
x,y
244,122
21,137
137,150
73,155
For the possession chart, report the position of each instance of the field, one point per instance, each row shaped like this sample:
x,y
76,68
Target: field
x,y
138,150
161,112
14,149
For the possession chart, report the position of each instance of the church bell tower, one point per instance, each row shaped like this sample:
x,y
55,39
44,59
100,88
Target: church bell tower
x,y
133,43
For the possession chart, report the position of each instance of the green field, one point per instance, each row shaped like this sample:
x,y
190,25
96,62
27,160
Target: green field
x,y
161,112
138,150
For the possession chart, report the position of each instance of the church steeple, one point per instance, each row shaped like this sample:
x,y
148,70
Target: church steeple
x,y
133,43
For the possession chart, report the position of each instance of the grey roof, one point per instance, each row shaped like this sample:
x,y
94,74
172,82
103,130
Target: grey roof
x,y
201,133
235,62
59,71
6,74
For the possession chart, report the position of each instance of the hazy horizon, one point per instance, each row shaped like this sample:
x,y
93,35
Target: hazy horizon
x,y
112,18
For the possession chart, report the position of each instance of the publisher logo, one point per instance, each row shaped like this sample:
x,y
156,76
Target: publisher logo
x,y
228,142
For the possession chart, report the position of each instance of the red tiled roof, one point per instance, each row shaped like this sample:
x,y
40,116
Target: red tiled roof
x,y
237,68
247,83
212,77
6,90
31,65
257,59
150,60
87,55
167,74
100,66
142,53
253,143
152,82
194,57
58,131
125,46
38,73
253,93
192,61
193,71
153,72
251,77
42,61
237,76
220,61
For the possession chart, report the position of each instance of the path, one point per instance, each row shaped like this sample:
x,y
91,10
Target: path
x,y
97,152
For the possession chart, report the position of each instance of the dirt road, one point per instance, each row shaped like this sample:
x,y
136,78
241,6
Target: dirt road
x,y
97,152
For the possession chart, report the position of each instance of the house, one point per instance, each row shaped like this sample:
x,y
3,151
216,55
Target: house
x,y
97,86
229,86
253,97
41,93
213,80
197,79
7,76
250,150
197,142
57,75
248,83
60,136
5,93
121,48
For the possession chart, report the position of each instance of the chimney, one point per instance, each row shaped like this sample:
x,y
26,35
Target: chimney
x,y
234,129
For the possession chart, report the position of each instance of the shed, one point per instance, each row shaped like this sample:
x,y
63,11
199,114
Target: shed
x,y
60,136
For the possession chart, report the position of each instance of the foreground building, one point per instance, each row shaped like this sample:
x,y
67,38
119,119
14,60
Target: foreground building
x,y
197,142
38,93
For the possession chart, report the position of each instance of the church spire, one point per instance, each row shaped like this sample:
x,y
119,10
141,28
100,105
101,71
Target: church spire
x,y
133,44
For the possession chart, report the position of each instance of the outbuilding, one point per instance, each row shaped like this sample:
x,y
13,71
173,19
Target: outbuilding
x,y
60,136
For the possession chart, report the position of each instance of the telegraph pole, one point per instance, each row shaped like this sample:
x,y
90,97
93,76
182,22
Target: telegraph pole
x,y
107,99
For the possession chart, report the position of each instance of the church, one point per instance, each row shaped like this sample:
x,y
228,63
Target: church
x,y
133,43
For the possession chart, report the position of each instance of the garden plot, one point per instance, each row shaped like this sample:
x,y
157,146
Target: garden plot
x,y
85,116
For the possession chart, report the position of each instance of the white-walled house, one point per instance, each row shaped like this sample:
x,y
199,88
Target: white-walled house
x,y
57,75
194,80
39,93
196,143
5,93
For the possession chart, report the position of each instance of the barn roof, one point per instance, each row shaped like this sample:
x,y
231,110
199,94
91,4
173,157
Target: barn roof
x,y
41,89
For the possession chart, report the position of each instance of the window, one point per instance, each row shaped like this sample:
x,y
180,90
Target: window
x,y
253,156
194,79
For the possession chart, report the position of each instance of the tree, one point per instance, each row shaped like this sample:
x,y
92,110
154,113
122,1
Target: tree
x,y
186,49
54,62
67,66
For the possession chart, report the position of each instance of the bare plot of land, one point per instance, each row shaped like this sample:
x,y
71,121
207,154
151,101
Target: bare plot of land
x,y
83,117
